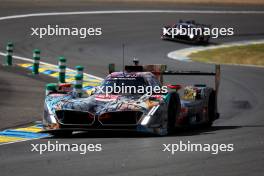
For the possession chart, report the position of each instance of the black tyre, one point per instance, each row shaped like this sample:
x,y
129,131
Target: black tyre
x,y
207,40
204,39
211,109
61,134
173,111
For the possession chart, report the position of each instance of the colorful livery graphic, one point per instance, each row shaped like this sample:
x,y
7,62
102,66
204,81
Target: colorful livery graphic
x,y
153,112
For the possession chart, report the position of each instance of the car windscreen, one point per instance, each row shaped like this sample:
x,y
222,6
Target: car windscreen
x,y
130,83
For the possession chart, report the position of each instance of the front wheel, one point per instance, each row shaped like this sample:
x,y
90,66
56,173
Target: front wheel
x,y
173,111
61,134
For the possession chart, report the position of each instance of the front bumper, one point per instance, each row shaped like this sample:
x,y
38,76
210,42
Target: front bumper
x,y
133,128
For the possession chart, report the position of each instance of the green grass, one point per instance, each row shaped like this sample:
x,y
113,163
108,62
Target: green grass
x,y
245,55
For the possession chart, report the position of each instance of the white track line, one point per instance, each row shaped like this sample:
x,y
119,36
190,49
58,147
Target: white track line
x,y
130,11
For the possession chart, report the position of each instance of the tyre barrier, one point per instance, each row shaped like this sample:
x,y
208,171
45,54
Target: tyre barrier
x,y
62,69
78,85
36,57
80,69
9,54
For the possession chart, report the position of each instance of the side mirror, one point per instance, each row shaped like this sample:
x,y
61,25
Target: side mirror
x,y
65,87
174,86
94,89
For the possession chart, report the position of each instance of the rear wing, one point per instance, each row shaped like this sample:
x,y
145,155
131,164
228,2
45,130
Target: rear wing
x,y
216,74
159,70
193,22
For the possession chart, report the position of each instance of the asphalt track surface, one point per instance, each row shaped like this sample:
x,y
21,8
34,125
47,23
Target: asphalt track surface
x,y
18,88
241,97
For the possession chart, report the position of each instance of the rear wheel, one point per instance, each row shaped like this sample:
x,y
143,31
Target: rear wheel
x,y
206,39
173,111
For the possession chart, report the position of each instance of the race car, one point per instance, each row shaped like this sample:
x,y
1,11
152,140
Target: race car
x,y
157,112
187,31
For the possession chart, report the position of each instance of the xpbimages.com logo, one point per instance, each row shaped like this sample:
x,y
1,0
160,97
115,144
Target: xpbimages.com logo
x,y
195,147
123,89
62,147
191,31
57,30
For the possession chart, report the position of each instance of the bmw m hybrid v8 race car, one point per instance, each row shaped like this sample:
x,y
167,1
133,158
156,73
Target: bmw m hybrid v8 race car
x,y
186,31
157,113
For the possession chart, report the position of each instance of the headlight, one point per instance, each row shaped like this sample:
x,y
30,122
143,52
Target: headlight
x,y
148,116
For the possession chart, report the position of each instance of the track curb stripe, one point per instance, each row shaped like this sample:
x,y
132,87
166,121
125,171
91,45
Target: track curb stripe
x,y
6,139
88,82
22,134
